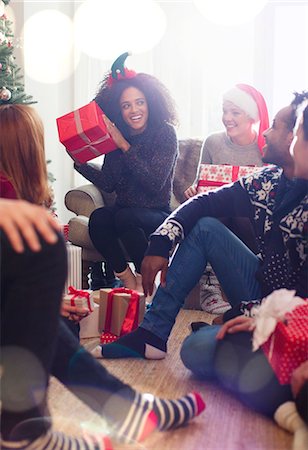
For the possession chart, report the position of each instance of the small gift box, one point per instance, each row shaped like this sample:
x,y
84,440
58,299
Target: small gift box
x,y
213,176
121,310
80,298
287,347
84,134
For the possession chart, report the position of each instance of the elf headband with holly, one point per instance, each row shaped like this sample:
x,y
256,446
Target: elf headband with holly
x,y
252,102
118,71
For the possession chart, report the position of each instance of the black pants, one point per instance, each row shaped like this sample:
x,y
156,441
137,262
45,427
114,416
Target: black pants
x,y
35,344
31,290
109,227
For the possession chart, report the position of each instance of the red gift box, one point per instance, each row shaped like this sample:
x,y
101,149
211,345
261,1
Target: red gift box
x,y
213,176
84,134
287,347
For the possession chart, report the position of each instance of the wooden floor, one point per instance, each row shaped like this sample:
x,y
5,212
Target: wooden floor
x,y
225,425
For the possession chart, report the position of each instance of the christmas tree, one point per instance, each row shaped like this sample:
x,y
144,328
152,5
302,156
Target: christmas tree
x,y
11,79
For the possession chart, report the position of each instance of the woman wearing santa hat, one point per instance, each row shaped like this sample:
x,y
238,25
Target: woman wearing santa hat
x,y
245,117
140,116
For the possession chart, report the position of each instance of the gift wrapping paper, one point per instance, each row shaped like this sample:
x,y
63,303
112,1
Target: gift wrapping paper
x,y
213,176
119,308
84,134
287,347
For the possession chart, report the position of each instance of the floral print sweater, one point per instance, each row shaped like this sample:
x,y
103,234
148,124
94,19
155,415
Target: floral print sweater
x,y
278,210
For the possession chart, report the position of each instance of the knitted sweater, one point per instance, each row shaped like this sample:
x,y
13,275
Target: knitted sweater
x,y
219,149
141,177
278,211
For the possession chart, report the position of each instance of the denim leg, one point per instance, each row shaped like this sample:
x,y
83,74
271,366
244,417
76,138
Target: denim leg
x,y
198,351
231,361
234,264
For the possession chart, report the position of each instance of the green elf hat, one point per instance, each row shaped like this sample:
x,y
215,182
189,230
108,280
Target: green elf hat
x,y
118,71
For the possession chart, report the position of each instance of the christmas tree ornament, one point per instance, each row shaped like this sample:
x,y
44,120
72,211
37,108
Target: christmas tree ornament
x,y
5,94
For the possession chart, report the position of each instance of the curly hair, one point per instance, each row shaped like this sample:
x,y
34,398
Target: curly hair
x,y
300,100
161,105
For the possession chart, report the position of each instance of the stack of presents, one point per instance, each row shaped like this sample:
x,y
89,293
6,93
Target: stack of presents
x,y
113,312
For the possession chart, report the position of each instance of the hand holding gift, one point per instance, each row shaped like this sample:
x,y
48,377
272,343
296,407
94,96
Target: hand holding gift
x,y
77,304
116,134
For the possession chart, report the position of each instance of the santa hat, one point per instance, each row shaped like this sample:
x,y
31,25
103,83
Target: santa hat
x,y
118,71
252,102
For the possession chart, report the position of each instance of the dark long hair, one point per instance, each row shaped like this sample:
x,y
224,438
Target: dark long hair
x,y
161,105
299,99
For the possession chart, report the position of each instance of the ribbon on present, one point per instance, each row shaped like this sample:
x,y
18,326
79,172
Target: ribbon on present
x,y
79,293
273,309
84,137
130,321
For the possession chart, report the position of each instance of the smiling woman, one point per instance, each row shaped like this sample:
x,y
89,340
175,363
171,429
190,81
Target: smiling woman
x,y
140,116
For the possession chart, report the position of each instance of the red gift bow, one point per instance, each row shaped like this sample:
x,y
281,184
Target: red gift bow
x,y
85,138
79,293
130,321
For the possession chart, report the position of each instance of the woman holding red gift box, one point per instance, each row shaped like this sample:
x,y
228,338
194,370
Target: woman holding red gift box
x,y
140,116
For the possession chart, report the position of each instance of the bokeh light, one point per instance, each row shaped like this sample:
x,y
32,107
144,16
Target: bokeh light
x,y
106,28
230,12
49,46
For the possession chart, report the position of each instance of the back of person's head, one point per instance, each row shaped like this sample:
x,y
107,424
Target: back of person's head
x,y
161,105
22,152
300,111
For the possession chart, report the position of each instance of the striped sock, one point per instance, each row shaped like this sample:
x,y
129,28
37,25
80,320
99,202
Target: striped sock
x,y
149,412
53,440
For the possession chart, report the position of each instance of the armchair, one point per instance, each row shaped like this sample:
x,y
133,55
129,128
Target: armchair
x,y
84,199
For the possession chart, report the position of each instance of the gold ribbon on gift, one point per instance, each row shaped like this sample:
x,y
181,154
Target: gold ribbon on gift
x,y
89,145
130,321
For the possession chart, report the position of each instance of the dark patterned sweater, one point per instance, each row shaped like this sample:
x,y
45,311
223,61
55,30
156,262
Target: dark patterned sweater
x,y
278,211
141,177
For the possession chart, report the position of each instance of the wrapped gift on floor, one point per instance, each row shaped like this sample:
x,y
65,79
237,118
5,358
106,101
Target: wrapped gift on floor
x,y
84,134
287,347
213,176
89,325
80,298
121,310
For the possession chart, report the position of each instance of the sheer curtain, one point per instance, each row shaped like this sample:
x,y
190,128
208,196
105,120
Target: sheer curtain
x,y
196,59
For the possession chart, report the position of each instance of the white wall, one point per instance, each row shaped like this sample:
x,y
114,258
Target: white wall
x,y
196,59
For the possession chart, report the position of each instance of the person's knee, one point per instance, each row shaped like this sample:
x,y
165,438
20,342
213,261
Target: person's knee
x,y
211,225
197,352
99,219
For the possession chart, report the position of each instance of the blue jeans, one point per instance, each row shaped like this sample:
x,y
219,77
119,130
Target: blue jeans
x,y
246,374
234,264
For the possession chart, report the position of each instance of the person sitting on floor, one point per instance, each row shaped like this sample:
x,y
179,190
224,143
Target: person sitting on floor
x,y
271,199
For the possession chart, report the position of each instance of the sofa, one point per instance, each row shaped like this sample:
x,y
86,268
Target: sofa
x,y
84,199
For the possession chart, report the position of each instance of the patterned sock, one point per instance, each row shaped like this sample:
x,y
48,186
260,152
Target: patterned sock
x,y
53,440
148,412
138,344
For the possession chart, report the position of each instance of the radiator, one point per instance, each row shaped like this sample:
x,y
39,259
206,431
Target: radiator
x,y
74,276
